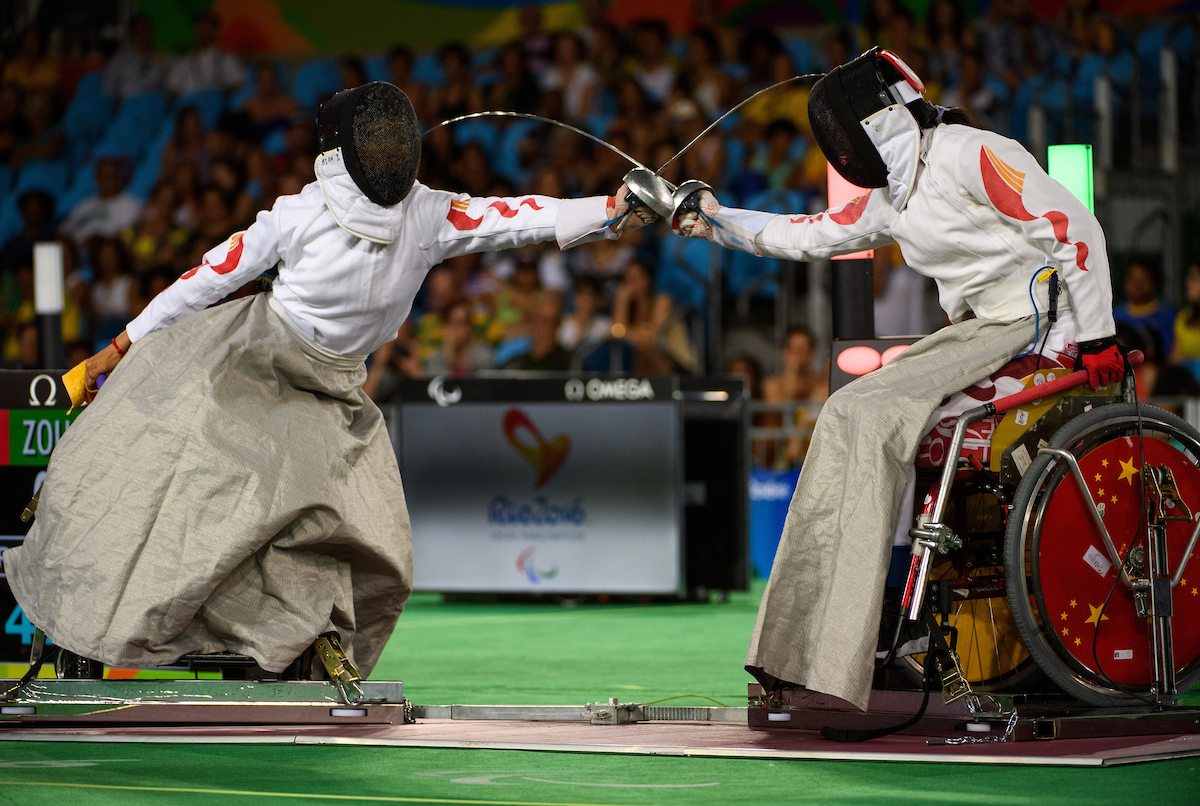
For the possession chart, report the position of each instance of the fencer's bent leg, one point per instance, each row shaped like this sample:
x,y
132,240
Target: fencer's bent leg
x,y
818,622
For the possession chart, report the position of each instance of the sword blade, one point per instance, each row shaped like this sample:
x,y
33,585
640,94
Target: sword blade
x,y
528,116
745,101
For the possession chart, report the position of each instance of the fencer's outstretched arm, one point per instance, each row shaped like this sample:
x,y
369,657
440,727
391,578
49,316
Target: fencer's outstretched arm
x,y
458,224
999,173
862,223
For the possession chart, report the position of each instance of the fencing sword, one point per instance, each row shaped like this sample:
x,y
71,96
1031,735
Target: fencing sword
x,y
644,187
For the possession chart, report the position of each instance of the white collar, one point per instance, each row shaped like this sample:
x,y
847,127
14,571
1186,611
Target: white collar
x,y
350,208
897,137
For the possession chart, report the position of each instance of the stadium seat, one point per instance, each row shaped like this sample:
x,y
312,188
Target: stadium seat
x,y
136,123
480,131
315,81
86,115
800,51
684,268
146,173
428,70
48,175
376,67
745,271
506,158
610,355
1018,124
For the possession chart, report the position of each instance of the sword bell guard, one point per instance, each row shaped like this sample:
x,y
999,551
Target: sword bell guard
x,y
652,190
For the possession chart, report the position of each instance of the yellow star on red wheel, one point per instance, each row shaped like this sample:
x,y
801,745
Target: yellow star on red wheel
x,y
1072,603
1103,463
1077,642
1193,591
1100,492
1097,477
1066,630
1114,499
1064,615
1097,615
1128,471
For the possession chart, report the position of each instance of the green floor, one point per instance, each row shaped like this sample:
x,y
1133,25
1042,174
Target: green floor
x,y
460,653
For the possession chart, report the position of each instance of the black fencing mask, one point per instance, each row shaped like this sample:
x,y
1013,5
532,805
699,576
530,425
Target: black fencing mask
x,y
377,130
849,94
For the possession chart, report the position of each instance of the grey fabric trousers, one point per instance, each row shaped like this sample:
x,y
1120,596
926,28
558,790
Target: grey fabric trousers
x,y
818,623
230,489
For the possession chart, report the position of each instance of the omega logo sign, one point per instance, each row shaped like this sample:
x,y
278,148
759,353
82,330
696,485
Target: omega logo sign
x,y
615,389
51,398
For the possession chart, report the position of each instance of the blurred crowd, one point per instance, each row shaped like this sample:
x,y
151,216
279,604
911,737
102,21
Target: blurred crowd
x,y
139,161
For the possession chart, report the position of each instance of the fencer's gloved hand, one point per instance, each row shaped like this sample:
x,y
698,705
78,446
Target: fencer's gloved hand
x,y
688,221
1104,361
619,205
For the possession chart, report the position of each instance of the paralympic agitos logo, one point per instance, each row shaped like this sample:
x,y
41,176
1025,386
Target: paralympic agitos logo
x,y
546,456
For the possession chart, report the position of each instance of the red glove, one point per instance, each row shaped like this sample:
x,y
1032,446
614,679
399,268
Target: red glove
x,y
1103,360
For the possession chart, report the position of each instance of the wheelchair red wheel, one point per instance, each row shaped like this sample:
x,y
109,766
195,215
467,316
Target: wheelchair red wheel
x,y
1076,618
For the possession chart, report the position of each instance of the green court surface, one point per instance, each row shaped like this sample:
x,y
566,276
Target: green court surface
x,y
556,654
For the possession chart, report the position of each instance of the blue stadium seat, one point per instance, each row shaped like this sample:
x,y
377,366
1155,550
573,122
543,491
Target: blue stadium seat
x,y
135,125
1018,124
376,67
480,131
6,175
86,115
315,81
598,124
507,155
611,355
48,175
685,265
146,173
743,269
800,51
210,103
238,99
427,70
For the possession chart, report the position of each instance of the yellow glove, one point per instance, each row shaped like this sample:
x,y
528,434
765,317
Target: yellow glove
x,y
75,382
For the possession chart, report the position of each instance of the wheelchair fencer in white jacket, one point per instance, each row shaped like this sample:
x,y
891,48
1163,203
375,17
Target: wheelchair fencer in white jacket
x,y
975,212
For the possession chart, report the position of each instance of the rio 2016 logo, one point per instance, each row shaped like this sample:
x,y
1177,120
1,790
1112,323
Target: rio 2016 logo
x,y
546,456
532,573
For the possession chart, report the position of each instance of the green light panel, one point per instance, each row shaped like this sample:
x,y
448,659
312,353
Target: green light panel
x,y
1071,165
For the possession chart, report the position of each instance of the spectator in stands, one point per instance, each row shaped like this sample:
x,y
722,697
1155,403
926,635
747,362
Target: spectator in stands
x,y
461,354
707,157
155,240
215,214
44,139
352,71
400,62
1016,46
586,324
37,224
604,54
268,108
458,94
637,314
206,66
904,35
972,95
516,89
545,353
30,69
789,102
775,161
710,86
756,52
137,67
1086,27
838,46
899,295
107,213
1186,350
576,81
651,65
13,128
708,18
391,364
1143,307
301,149
537,45
113,291
636,118
441,290
595,19
797,381
188,144
878,23
946,30
762,451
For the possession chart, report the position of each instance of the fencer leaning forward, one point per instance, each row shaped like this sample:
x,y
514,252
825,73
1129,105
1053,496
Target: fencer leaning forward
x,y
231,488
974,211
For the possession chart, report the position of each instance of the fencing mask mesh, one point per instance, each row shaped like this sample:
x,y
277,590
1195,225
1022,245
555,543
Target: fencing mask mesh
x,y
838,103
377,130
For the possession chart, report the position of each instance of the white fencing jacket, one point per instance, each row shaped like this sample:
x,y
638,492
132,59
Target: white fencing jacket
x,y
982,218
349,269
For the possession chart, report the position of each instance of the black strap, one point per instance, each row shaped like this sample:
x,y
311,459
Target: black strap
x,y
937,643
35,667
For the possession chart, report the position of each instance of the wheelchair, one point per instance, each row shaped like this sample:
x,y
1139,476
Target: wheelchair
x,y
1058,542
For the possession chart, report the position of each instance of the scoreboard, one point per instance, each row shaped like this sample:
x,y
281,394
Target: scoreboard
x,y
33,417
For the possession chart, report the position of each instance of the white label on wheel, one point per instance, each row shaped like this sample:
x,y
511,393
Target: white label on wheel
x,y
1020,456
1097,561
1022,416
1122,654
